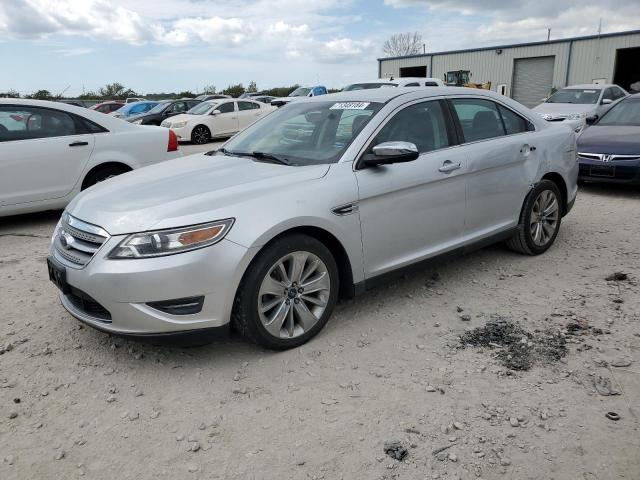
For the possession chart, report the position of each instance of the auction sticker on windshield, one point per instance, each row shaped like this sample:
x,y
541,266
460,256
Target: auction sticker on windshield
x,y
349,106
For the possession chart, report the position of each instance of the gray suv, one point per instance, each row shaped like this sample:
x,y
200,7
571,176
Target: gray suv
x,y
318,200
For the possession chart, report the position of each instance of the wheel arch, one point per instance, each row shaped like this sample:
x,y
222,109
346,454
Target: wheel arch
x,y
125,168
562,186
335,246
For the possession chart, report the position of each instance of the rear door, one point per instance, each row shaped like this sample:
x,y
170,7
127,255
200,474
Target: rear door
x,y
248,112
415,210
499,148
42,153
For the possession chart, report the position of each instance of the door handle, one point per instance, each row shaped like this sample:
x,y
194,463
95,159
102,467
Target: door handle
x,y
527,148
78,144
448,167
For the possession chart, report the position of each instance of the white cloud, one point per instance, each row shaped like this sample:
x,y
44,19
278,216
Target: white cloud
x,y
522,20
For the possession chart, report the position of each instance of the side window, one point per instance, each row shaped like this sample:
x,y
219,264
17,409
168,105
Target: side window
x,y
247,106
618,92
513,123
319,91
423,124
430,84
414,84
478,118
226,107
178,107
24,123
608,94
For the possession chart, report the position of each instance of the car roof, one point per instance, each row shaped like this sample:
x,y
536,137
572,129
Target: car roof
x,y
384,95
588,86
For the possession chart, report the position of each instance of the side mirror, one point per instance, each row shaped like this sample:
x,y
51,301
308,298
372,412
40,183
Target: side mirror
x,y
606,101
592,119
391,152
216,112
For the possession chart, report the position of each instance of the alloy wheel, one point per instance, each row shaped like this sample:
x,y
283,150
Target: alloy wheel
x,y
294,294
544,217
200,135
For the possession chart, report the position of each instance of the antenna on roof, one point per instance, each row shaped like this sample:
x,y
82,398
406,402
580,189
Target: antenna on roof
x,y
548,34
600,27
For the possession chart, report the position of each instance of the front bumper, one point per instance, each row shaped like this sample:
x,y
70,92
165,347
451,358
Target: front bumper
x,y
621,171
120,290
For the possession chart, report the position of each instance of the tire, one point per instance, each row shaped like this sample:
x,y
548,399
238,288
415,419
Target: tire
x,y
535,234
200,135
101,174
280,321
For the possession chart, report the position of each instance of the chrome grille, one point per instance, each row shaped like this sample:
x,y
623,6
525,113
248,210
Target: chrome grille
x,y
76,242
605,157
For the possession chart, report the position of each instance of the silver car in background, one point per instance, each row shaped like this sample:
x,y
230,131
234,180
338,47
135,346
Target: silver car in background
x,y
319,200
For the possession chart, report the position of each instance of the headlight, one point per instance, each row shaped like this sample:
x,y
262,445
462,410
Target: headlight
x,y
137,122
178,124
169,242
576,116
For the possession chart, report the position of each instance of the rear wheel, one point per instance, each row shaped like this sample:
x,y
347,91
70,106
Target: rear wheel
x,y
200,135
101,174
287,294
539,221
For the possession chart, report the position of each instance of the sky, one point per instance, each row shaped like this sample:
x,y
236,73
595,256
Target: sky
x,y
175,45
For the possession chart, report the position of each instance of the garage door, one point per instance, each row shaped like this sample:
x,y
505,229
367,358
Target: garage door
x,y
532,79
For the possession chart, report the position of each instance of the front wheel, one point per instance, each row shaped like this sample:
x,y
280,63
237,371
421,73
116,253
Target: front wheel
x,y
287,293
539,220
200,135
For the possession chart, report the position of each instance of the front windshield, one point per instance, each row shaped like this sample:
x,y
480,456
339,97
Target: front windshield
x,y
624,113
305,133
367,86
159,108
300,92
580,96
201,108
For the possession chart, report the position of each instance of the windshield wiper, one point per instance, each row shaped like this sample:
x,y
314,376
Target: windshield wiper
x,y
262,156
270,157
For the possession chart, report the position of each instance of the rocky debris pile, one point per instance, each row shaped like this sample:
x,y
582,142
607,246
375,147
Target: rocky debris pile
x,y
395,450
617,277
518,348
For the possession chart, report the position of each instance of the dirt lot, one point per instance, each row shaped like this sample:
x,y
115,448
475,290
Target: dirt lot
x,y
389,367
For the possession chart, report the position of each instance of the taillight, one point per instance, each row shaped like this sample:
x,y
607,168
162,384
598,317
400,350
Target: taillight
x,y
173,142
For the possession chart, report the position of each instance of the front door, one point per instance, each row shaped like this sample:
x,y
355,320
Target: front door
x,y
248,112
42,153
226,122
415,210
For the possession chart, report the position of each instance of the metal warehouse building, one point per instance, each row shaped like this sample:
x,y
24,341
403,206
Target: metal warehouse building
x,y
528,72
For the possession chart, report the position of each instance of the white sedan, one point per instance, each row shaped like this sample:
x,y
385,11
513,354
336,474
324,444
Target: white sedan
x,y
216,118
49,151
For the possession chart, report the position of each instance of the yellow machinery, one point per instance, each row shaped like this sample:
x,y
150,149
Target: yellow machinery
x,y
461,78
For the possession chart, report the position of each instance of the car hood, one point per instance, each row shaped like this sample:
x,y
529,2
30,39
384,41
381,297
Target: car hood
x,y
186,191
617,139
564,108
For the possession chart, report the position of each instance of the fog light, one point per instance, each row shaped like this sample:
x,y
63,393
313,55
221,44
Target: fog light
x,y
179,306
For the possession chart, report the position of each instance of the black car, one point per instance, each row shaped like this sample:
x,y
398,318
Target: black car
x,y
609,148
165,109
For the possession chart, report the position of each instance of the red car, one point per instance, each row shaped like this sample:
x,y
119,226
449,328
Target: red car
x,y
107,107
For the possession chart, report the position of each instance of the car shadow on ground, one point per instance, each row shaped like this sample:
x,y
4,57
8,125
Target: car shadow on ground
x,y
611,190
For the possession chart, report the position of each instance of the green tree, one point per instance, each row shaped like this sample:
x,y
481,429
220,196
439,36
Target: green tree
x,y
41,95
281,91
116,91
253,87
209,90
10,94
234,90
186,94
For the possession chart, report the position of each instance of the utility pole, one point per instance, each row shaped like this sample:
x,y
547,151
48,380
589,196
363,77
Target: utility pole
x,y
548,34
600,28
424,48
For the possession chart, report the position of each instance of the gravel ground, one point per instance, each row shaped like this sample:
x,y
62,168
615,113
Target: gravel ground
x,y
387,390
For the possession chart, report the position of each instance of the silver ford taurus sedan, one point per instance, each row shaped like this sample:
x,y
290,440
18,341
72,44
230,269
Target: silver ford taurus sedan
x,y
318,200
